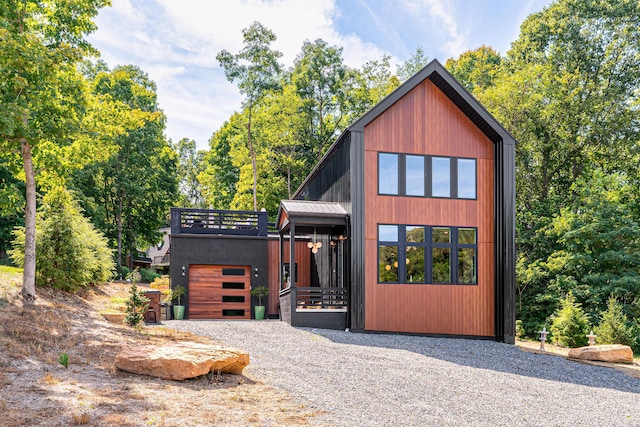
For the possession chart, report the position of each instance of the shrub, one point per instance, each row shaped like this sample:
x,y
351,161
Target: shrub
x,y
163,285
519,329
615,328
71,253
124,271
148,275
136,306
570,324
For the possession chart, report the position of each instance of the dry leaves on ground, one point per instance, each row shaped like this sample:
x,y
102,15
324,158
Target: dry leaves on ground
x,y
37,390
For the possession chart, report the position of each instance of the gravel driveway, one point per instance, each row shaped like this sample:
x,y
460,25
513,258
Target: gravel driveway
x,y
398,380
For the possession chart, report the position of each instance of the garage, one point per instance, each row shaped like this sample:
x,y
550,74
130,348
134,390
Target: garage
x,y
219,292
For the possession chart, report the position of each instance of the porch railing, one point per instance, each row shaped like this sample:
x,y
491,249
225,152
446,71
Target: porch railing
x,y
319,298
208,221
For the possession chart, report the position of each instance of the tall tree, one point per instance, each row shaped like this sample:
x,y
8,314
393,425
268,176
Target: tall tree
x,y
476,69
219,176
40,93
416,61
568,90
127,196
319,77
256,69
190,165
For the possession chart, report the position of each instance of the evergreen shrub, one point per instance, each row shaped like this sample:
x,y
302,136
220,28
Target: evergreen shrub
x,y
70,252
570,325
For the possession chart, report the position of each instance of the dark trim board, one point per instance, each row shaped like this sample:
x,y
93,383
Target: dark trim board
x,y
416,334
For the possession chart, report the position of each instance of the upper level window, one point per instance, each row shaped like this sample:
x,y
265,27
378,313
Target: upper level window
x,y
440,177
388,173
426,176
466,178
414,175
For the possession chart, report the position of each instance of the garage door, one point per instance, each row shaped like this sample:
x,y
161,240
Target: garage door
x,y
219,292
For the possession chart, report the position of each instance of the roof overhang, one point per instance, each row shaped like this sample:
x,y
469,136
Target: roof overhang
x,y
309,214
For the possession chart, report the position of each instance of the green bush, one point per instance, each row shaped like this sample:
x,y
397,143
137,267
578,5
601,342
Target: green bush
x,y
136,306
70,252
519,329
124,272
615,328
148,275
570,324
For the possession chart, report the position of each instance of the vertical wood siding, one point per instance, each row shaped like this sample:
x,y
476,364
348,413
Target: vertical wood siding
x,y
425,121
206,292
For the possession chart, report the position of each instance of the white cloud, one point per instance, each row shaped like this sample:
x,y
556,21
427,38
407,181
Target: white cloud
x,y
443,21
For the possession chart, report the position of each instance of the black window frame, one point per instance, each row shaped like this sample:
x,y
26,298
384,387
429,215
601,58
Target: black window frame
x,y
428,247
428,176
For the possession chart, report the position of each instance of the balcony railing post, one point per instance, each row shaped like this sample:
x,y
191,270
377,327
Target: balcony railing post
x,y
175,220
263,220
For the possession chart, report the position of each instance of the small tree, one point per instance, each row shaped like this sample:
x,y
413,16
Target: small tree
x,y
136,306
177,293
615,328
570,324
260,292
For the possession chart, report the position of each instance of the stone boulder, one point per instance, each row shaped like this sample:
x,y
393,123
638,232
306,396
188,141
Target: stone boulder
x,y
615,353
181,360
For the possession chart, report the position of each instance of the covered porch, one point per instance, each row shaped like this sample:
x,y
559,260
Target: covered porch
x,y
323,304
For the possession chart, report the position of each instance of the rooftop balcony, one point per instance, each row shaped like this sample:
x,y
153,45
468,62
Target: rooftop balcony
x,y
218,222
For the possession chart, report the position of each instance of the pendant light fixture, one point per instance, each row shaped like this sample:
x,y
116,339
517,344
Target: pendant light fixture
x,y
315,245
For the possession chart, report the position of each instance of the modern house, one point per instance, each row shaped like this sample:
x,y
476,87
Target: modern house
x,y
406,225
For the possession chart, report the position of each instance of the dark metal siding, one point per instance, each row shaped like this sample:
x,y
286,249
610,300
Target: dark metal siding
x,y
356,233
332,183
217,250
505,276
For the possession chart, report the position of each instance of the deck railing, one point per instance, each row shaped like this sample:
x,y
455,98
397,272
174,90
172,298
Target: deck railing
x,y
319,297
209,221
161,259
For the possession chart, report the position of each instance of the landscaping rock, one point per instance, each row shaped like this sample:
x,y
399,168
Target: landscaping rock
x,y
616,353
181,360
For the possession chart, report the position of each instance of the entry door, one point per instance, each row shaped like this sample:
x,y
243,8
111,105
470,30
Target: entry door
x,y
219,292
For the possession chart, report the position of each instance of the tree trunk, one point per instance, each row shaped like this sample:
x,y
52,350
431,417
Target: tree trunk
x,y
253,164
119,225
289,181
29,274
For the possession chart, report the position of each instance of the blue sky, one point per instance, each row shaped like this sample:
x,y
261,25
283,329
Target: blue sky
x,y
176,42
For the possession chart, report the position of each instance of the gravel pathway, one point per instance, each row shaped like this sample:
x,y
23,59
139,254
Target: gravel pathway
x,y
398,380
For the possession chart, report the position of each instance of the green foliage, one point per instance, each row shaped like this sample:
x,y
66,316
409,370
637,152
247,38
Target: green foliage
x,y
615,327
520,332
136,306
148,275
260,292
570,324
190,165
63,359
177,293
128,194
476,69
124,271
71,253
412,65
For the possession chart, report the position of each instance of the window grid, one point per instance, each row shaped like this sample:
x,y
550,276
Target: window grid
x,y
391,252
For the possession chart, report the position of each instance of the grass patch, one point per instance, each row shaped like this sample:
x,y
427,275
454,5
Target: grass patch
x,y
10,269
10,282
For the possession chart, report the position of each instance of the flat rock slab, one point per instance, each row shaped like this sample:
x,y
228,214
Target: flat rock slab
x,y
616,353
182,360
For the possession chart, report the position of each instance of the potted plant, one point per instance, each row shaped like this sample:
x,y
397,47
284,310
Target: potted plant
x,y
260,292
178,310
